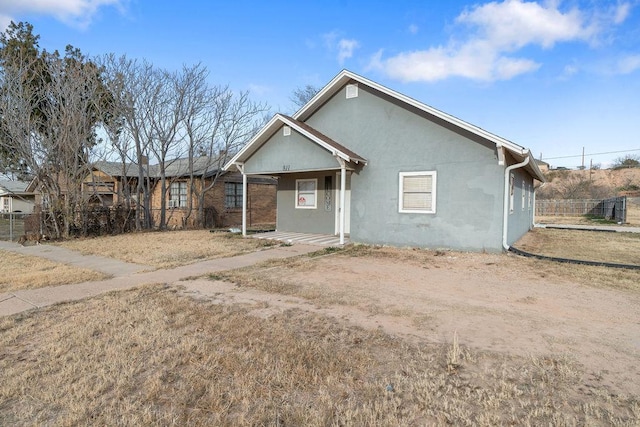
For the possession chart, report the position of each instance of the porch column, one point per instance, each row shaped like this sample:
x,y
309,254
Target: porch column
x,y
244,198
343,187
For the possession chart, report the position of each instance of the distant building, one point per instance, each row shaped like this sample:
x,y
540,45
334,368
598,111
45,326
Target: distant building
x,y
544,166
14,197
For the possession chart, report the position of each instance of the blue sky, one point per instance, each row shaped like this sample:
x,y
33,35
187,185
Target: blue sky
x,y
555,76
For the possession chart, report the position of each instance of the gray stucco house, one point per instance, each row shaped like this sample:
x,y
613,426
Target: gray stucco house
x,y
405,173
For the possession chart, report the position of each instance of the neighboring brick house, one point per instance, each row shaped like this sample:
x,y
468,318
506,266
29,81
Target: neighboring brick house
x,y
222,200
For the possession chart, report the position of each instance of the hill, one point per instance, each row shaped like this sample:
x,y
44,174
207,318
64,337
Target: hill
x,y
590,184
593,184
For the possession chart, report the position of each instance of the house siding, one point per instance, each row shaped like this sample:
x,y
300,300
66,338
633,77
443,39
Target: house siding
x,y
520,220
291,153
394,139
318,220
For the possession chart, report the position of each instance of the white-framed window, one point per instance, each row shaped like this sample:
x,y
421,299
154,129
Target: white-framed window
x,y
178,195
417,192
512,184
524,194
6,204
306,193
530,196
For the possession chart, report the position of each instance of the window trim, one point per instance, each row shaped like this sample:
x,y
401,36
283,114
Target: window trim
x,y
315,193
434,187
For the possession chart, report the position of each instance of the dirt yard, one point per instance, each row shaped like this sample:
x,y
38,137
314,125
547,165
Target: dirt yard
x,y
360,336
496,303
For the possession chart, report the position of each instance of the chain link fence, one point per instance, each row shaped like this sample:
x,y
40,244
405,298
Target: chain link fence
x,y
12,225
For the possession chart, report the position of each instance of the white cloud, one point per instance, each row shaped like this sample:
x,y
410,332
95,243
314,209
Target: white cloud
x,y
621,13
628,64
74,12
496,31
346,48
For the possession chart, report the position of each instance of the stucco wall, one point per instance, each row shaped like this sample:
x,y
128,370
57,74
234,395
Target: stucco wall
x,y
289,154
393,139
521,219
318,220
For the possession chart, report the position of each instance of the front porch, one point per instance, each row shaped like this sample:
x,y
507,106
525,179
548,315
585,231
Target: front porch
x,y
323,240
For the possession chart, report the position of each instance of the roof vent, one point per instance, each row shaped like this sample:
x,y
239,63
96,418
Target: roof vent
x,y
352,91
286,131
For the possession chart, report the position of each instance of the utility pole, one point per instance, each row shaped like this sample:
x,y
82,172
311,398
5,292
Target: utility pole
x,y
583,158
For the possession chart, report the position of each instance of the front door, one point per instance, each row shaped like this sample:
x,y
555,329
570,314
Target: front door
x,y
347,204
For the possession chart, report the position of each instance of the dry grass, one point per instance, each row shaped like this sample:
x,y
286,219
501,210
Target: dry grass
x,y
166,249
623,248
151,357
29,272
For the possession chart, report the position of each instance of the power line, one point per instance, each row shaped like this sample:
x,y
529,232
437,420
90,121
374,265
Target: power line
x,y
592,154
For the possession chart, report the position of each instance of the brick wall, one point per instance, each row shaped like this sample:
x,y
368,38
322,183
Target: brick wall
x,y
261,205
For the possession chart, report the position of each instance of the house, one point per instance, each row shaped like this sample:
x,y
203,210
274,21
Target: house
x,y
15,197
110,182
360,160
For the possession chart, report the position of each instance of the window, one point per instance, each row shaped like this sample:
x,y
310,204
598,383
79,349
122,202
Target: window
x,y
417,192
530,196
524,193
178,195
306,193
327,193
6,204
232,195
512,181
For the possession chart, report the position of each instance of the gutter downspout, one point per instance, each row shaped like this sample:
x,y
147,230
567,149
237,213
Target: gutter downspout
x,y
505,217
240,167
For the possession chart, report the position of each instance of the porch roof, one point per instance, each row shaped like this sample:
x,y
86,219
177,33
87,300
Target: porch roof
x,y
304,129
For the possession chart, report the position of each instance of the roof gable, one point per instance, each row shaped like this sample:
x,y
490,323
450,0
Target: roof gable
x,y
310,133
345,77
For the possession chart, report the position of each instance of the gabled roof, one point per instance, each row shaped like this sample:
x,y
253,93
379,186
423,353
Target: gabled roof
x,y
13,187
312,134
345,77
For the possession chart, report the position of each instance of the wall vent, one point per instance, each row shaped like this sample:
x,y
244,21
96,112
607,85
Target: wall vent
x,y
352,91
286,131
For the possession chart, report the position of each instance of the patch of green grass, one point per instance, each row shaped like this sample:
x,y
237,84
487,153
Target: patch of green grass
x,y
599,220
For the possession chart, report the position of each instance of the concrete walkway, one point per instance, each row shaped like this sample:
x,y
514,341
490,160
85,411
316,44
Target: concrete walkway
x,y
109,266
126,275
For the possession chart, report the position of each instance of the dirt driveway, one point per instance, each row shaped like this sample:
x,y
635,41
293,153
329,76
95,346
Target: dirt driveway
x,y
496,303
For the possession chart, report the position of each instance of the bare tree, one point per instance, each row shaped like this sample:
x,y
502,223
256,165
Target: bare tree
x,y
50,125
300,96
234,120
134,87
